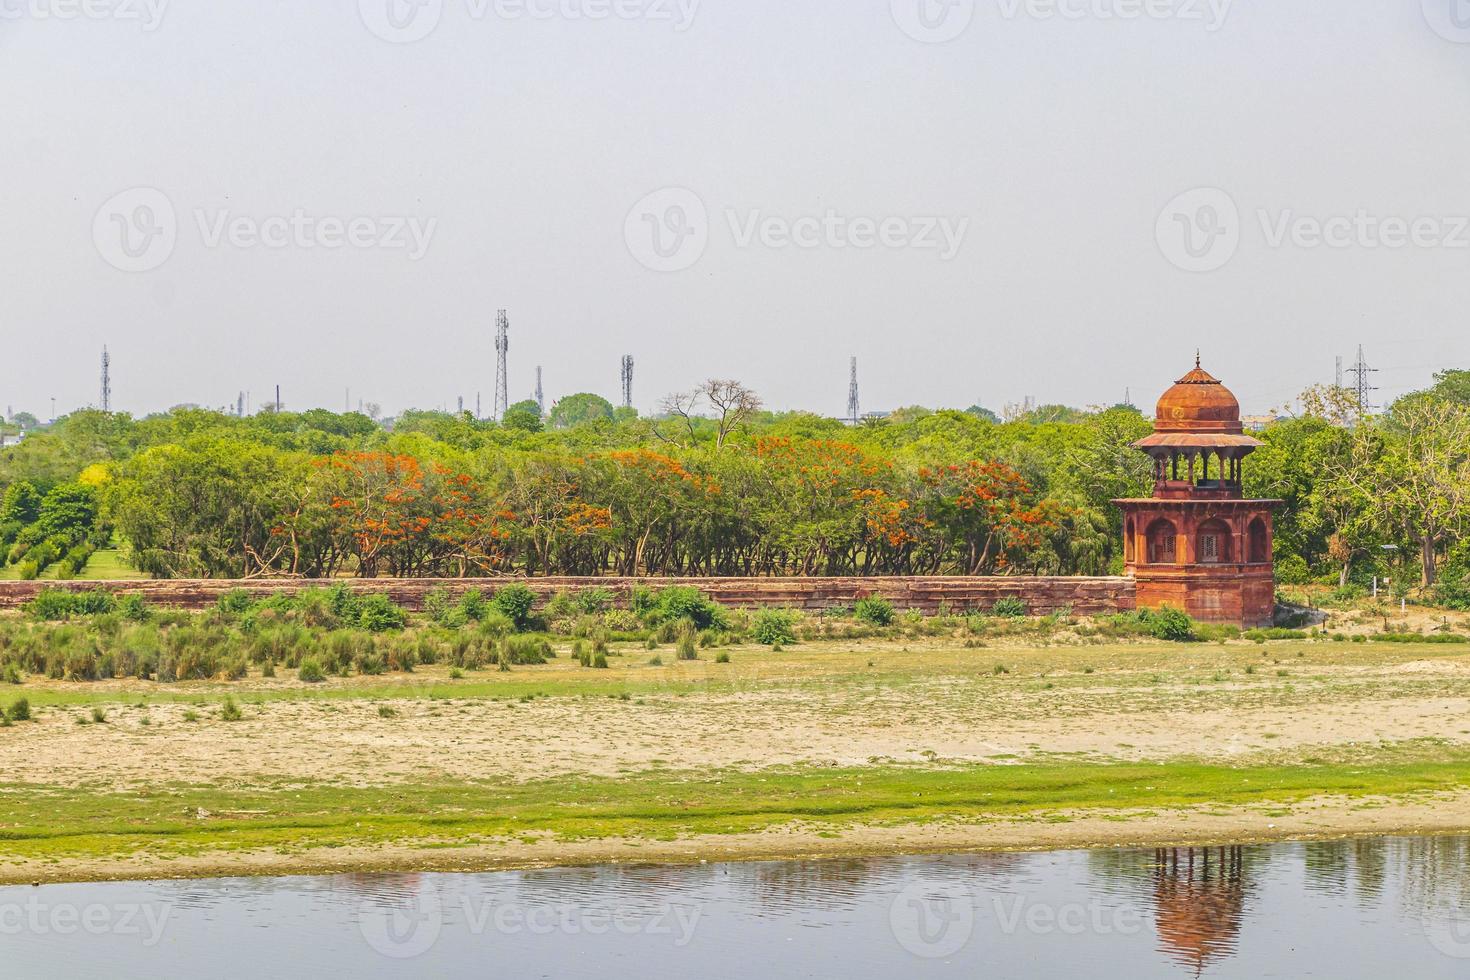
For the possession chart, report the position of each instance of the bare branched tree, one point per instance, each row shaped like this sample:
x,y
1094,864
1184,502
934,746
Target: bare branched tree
x,y
681,409
735,405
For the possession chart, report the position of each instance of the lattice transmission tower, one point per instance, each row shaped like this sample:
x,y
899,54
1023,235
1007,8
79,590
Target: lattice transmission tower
x,y
106,403
502,349
854,403
627,380
1363,382
540,393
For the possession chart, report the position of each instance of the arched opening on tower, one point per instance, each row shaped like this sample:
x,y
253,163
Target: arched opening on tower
x,y
1213,547
1260,542
1163,543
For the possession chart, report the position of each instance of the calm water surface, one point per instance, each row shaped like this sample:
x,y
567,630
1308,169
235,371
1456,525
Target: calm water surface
x,y
1397,908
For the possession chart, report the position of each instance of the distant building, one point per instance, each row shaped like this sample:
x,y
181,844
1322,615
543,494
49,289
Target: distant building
x,y
1259,423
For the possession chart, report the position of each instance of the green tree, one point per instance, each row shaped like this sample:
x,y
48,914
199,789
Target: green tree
x,y
575,410
523,417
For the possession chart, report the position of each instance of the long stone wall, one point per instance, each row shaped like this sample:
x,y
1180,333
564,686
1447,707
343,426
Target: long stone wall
x,y
1084,596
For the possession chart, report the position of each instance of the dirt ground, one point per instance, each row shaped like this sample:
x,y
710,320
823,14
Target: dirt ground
x,y
827,707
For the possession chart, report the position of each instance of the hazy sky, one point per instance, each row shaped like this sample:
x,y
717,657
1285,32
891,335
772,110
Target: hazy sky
x,y
981,200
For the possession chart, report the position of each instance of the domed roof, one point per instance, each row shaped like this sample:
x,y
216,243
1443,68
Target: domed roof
x,y
1198,412
1198,402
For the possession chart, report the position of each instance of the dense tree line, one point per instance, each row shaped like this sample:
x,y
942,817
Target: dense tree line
x,y
713,486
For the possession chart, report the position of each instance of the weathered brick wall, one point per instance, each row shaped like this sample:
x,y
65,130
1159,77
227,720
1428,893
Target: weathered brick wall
x,y
1085,596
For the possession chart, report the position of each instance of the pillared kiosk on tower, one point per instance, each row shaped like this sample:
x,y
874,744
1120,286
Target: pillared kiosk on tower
x,y
1197,544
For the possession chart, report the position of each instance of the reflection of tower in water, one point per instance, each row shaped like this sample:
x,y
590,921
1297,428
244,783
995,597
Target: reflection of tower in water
x,y
1199,897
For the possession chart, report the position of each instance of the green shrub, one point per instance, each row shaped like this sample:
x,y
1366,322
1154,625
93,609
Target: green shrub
x,y
774,627
19,710
1421,638
1453,594
377,614
236,602
11,675
686,644
1171,624
874,610
229,710
133,608
52,605
594,601
472,605
99,715
437,603
311,671
1010,607
722,658
686,602
1274,633
599,662
515,602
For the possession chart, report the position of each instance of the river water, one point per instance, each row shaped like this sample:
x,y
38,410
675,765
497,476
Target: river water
x,y
1392,908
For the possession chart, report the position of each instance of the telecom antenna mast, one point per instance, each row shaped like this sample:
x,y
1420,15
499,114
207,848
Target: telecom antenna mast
x,y
1362,382
627,380
502,348
106,380
854,404
540,393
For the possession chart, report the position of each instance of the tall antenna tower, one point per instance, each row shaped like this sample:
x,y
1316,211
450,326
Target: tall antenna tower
x,y
854,404
1339,370
627,380
1362,382
106,403
502,348
540,392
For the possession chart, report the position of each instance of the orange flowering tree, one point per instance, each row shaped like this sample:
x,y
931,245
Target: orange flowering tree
x,y
987,514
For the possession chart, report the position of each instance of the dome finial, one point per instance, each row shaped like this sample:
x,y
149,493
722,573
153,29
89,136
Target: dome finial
x,y
1196,359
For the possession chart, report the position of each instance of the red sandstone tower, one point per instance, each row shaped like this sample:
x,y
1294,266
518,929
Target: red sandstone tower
x,y
1197,544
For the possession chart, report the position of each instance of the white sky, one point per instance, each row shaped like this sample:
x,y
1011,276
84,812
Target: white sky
x,y
526,141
